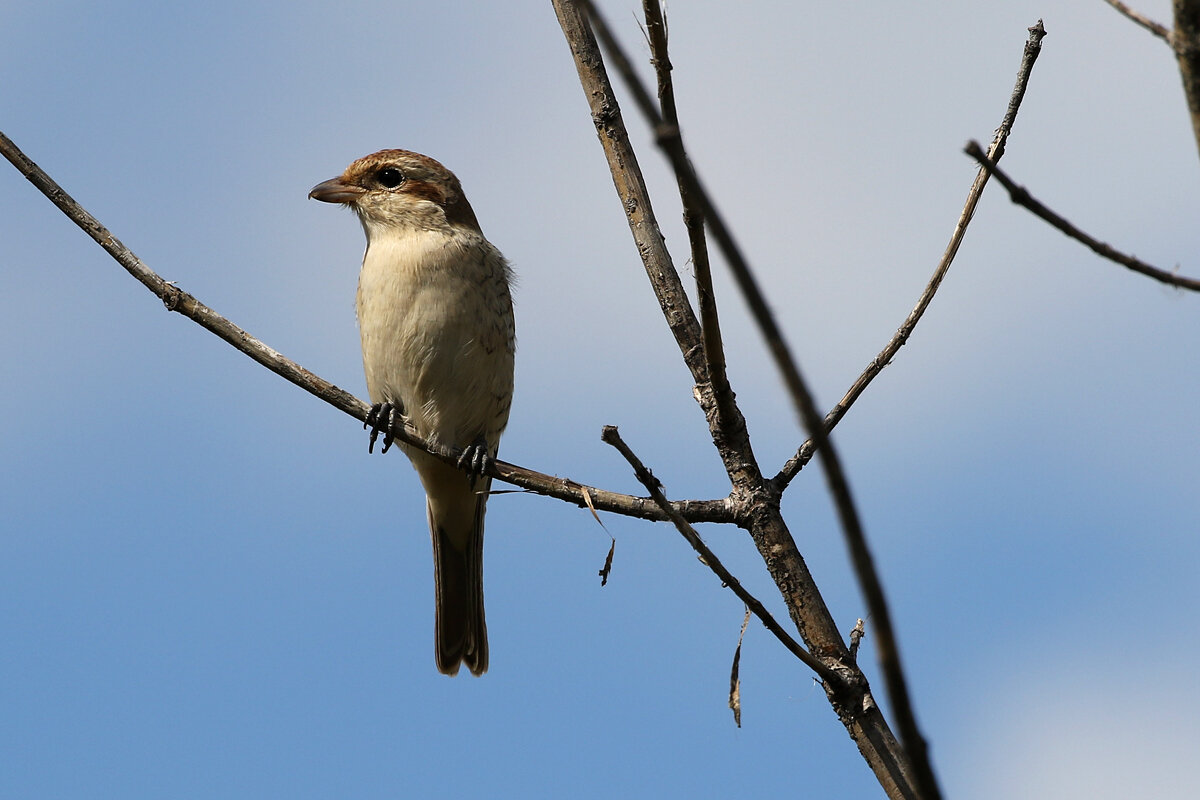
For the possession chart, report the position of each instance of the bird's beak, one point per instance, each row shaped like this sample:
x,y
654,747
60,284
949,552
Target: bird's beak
x,y
334,191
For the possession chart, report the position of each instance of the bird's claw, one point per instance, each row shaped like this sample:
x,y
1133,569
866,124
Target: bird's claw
x,y
381,418
475,459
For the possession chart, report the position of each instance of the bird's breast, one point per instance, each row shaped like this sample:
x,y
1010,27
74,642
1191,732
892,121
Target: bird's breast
x,y
436,324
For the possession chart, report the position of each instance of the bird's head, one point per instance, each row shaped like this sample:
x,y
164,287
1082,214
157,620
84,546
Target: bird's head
x,y
400,189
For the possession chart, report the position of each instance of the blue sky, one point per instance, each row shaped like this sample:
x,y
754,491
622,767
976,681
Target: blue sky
x,y
209,589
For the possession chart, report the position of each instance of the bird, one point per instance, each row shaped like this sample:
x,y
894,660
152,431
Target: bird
x,y
435,315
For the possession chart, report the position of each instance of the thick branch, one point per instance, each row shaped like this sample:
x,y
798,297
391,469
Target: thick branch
x,y
187,305
1033,46
1186,42
1022,197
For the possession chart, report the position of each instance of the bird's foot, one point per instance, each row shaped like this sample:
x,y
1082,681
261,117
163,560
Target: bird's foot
x,y
475,459
381,419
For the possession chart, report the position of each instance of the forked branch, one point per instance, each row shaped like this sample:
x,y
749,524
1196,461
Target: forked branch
x,y
610,435
1158,29
1033,47
582,25
1184,42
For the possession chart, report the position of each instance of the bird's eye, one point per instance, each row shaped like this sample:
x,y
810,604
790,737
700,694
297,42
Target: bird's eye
x,y
389,177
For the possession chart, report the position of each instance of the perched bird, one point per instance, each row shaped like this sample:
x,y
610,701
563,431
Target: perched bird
x,y
436,320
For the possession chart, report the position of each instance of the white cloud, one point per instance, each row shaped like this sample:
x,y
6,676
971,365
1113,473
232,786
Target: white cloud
x,y
1111,736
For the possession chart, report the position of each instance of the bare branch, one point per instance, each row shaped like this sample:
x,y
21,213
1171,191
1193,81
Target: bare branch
x,y
730,437
610,435
670,141
187,305
693,220
1186,42
856,709
1161,31
1022,197
1033,46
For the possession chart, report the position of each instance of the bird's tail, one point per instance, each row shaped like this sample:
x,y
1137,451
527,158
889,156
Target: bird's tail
x,y
456,527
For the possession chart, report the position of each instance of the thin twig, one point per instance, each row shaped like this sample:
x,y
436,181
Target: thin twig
x,y
1033,46
1161,31
187,305
610,435
1022,197
693,219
